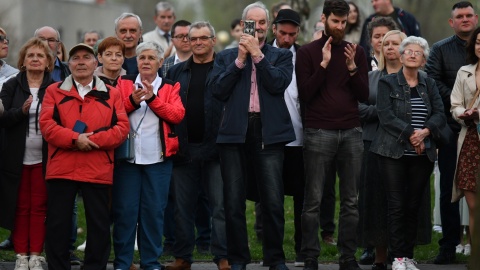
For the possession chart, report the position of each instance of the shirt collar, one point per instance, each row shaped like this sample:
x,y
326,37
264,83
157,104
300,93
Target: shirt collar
x,y
90,84
292,48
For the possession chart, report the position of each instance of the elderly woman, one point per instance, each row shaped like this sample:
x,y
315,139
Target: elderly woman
x,y
141,184
376,31
111,53
411,115
24,200
465,106
371,199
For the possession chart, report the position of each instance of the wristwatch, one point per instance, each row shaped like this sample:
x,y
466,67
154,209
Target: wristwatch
x,y
353,70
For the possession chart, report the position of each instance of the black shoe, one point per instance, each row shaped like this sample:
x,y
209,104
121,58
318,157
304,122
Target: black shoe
x,y
349,265
6,245
445,257
368,257
310,264
281,266
238,267
379,266
74,260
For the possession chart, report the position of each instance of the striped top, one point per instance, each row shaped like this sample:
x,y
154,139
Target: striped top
x,y
419,116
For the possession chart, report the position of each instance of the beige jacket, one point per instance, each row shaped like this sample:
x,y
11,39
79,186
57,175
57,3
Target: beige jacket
x,y
462,94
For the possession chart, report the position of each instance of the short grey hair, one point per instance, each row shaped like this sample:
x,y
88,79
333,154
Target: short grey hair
x,y
128,15
149,45
415,40
202,24
164,6
255,5
35,34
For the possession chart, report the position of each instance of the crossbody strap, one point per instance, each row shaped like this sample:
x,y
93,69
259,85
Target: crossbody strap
x,y
141,120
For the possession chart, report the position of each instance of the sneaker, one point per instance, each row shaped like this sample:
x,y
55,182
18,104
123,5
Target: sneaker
x,y
310,264
82,246
7,244
410,264
299,263
35,262
329,240
74,260
399,264
437,228
21,263
467,250
459,249
368,257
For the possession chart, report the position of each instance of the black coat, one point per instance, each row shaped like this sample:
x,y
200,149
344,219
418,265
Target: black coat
x,y
12,148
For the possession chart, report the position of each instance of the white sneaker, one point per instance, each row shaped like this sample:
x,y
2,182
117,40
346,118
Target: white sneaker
x,y
82,246
459,249
21,263
467,250
35,262
410,264
399,264
437,228
299,264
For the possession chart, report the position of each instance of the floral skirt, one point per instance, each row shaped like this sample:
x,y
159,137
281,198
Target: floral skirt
x,y
468,171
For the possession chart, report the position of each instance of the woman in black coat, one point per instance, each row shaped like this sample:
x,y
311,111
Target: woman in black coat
x,y
23,194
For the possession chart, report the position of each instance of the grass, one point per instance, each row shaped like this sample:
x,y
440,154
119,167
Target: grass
x,y
423,253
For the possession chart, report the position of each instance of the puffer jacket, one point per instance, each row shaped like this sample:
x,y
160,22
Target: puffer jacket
x,y
395,115
445,59
167,105
102,111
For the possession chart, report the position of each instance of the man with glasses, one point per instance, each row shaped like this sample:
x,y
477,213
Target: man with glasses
x,y
52,37
256,125
181,43
197,165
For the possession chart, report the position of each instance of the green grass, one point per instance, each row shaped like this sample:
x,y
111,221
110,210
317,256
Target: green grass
x,y
423,253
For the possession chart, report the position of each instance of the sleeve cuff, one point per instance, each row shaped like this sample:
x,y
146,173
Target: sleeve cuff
x,y
257,59
151,99
136,106
239,64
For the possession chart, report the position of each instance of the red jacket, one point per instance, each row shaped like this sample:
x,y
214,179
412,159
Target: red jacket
x,y
102,111
167,105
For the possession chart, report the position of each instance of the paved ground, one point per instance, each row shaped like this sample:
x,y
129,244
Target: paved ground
x,y
256,266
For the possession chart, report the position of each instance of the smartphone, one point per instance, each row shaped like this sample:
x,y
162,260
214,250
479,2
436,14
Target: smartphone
x,y
249,27
80,127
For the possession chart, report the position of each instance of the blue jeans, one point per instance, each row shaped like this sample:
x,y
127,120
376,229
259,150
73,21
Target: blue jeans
x,y
190,180
139,195
323,150
264,163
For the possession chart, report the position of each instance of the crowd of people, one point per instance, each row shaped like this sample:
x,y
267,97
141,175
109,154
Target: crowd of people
x,y
166,139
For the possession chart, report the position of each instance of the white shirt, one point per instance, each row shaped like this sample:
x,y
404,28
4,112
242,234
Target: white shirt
x,y
83,90
293,102
33,141
148,147
176,60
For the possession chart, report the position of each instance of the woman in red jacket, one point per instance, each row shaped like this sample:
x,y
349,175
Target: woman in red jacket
x,y
141,184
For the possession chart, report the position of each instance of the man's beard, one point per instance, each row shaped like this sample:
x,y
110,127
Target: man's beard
x,y
337,35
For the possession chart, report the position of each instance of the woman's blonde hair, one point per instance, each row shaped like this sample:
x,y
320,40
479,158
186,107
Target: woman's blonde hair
x,y
381,61
36,42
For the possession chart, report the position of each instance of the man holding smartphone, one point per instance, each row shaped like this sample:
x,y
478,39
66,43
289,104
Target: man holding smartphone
x,y
256,125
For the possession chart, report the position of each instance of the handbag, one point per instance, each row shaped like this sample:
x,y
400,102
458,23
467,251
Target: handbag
x,y
126,150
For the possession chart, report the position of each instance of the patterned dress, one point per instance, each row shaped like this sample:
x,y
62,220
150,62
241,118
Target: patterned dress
x,y
468,171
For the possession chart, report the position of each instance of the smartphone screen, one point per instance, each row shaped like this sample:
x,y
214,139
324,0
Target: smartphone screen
x,y
249,27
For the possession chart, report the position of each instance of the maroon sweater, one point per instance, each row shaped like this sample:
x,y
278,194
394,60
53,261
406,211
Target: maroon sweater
x,y
330,96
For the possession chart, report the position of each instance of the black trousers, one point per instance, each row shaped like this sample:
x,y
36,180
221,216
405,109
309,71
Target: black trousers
x,y
61,196
405,181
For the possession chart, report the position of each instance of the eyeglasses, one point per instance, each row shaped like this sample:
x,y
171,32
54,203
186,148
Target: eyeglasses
x,y
410,52
49,40
4,38
181,37
202,38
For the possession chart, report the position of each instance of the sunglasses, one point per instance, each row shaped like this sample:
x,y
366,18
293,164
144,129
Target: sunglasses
x,y
4,38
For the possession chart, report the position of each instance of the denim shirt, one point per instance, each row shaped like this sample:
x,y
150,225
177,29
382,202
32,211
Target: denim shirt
x,y
395,115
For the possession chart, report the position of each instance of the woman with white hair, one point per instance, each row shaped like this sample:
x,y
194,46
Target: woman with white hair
x,y
411,115
141,184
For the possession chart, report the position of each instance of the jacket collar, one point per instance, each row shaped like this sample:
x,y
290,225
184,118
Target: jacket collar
x,y
469,68
421,78
189,61
98,84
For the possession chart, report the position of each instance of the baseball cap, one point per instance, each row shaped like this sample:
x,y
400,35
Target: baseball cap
x,y
287,15
80,46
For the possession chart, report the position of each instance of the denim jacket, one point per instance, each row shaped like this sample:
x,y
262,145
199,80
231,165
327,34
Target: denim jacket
x,y
395,115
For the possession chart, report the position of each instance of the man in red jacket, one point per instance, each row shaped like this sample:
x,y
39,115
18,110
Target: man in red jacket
x,y
83,121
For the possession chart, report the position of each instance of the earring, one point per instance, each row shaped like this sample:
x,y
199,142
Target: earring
x,y
23,67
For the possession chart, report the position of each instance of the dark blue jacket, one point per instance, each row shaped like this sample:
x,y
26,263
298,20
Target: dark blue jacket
x,y
231,85
395,114
182,73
